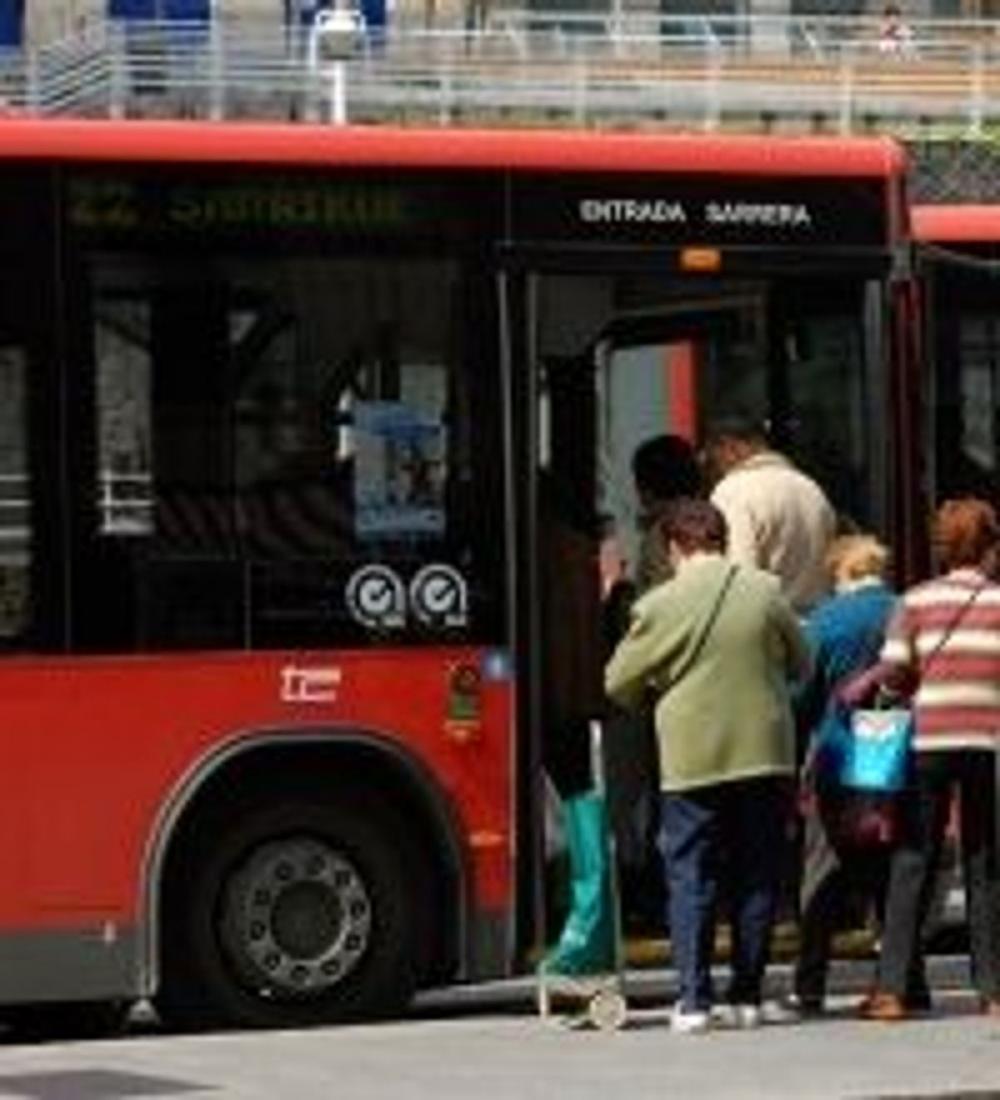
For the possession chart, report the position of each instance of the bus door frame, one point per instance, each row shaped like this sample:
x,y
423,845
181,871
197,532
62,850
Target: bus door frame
x,y
518,277
888,368
517,335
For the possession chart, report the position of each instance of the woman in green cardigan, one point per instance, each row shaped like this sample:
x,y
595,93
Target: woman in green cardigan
x,y
716,646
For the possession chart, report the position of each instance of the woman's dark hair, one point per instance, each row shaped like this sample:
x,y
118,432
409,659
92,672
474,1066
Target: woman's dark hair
x,y
694,525
965,530
666,467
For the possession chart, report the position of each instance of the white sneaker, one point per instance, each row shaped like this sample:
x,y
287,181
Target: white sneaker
x,y
742,1016
790,1009
689,1022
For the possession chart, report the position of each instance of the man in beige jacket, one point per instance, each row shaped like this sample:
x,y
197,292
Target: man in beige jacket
x,y
778,518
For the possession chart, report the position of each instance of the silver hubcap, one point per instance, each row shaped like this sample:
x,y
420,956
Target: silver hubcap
x,y
296,917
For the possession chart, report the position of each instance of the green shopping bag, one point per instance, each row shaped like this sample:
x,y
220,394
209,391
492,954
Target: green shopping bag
x,y
587,942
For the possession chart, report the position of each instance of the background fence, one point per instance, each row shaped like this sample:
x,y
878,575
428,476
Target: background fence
x,y
517,67
584,68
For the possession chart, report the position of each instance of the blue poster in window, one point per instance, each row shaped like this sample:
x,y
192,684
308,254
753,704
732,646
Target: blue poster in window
x,y
193,11
399,472
187,11
132,9
11,23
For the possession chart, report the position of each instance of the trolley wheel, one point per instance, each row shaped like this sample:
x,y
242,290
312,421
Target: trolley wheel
x,y
607,1010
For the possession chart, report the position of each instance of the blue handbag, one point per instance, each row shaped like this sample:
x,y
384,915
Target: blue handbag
x,y
866,749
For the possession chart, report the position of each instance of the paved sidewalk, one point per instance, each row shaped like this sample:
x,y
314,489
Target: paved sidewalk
x,y
500,1057
654,987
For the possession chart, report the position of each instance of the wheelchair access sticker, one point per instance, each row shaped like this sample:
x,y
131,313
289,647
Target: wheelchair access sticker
x,y
439,597
376,598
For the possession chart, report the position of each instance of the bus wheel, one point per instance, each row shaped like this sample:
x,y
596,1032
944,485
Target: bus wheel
x,y
66,1020
301,913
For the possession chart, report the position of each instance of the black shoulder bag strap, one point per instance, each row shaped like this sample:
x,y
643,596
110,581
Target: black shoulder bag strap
x,y
952,627
887,696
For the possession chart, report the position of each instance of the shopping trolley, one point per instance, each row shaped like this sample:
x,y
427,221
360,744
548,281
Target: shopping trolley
x,y
585,971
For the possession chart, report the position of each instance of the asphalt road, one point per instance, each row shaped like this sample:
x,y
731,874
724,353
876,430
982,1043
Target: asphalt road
x,y
491,1046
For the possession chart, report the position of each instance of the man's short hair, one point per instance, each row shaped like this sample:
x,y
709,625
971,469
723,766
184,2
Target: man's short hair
x,y
738,426
666,467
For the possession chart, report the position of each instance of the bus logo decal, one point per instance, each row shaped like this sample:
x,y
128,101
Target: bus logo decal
x,y
376,598
439,596
313,684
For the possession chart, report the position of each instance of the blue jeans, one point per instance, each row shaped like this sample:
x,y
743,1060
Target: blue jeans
x,y
742,822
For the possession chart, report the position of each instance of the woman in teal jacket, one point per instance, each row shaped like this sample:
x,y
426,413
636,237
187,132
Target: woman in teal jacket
x,y
846,633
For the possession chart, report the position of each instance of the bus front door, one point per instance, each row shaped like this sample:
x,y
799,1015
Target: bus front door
x,y
611,361
600,390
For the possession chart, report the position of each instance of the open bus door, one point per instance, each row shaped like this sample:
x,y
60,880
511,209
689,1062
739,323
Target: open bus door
x,y
613,358
634,377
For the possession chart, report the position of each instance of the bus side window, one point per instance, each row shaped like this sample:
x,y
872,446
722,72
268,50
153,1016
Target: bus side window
x,y
124,379
15,512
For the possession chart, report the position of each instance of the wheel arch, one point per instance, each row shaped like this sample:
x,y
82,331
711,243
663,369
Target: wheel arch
x,y
343,753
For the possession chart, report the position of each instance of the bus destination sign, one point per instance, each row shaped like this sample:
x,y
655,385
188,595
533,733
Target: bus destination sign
x,y
255,207
664,212
690,210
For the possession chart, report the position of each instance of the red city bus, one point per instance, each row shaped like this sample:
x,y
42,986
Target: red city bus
x,y
959,259
314,435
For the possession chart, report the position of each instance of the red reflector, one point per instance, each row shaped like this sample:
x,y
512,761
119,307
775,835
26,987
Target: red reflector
x,y
464,694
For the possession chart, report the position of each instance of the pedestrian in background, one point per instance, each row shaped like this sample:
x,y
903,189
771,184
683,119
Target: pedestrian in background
x,y
945,636
715,647
779,519
845,633
895,38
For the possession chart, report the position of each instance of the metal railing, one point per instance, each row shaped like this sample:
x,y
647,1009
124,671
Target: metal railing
x,y
124,506
575,68
15,512
125,503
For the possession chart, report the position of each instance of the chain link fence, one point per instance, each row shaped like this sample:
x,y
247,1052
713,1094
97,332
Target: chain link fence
x,y
956,170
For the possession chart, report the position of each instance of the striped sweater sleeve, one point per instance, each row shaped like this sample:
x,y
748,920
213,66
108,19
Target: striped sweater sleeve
x,y
899,646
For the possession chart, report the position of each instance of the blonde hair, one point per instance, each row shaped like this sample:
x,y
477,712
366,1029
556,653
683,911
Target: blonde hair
x,y
852,557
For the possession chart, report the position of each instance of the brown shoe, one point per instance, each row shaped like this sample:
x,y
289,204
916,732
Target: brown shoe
x,y
990,1008
919,1001
866,1002
885,1007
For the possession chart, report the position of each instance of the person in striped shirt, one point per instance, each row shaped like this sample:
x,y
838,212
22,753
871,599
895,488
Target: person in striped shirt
x,y
945,638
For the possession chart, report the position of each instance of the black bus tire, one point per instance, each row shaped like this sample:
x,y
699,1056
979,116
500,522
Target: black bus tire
x,y
339,924
65,1020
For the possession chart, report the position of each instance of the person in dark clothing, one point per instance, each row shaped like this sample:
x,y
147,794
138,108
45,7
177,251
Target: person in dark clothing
x,y
665,468
845,633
